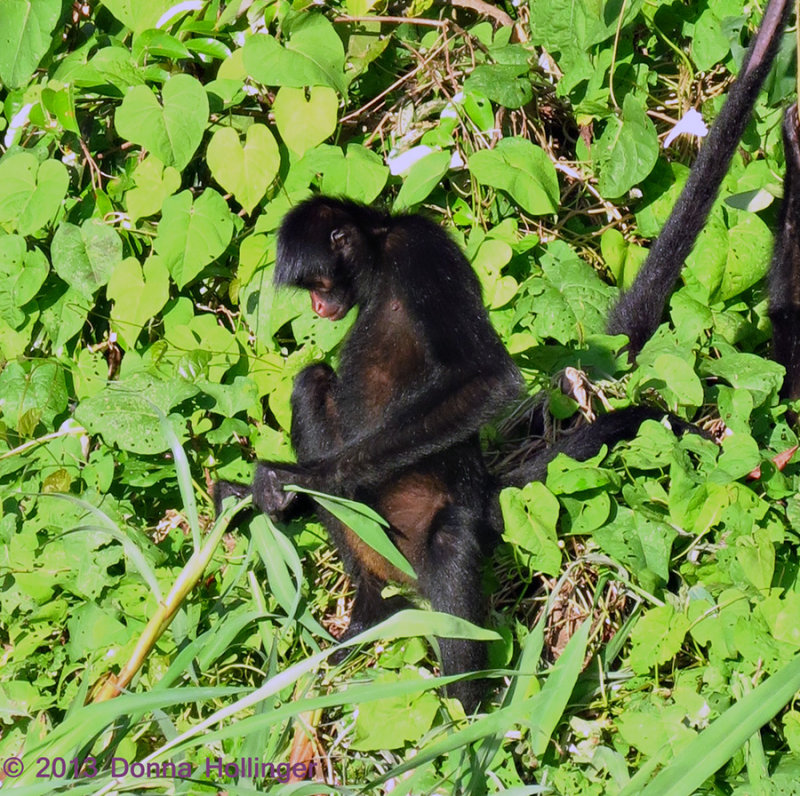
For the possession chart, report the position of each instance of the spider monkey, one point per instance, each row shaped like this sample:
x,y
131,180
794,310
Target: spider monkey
x,y
422,370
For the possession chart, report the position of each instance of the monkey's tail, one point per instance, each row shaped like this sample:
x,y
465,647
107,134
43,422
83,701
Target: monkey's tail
x,y
586,441
640,310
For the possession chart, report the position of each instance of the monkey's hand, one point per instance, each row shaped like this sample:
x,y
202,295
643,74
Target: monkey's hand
x,y
268,488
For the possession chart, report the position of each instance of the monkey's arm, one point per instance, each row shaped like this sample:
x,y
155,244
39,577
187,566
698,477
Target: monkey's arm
x,y
640,310
429,419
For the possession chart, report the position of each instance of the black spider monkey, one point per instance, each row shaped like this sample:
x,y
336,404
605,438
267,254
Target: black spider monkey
x,y
422,370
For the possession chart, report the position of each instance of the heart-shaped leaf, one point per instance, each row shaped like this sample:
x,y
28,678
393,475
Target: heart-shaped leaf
x,y
247,171
191,235
22,273
25,30
627,151
30,193
360,174
314,56
139,16
138,294
154,184
522,170
304,123
172,132
85,256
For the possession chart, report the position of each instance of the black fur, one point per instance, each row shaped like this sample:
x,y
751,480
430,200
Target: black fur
x,y
784,276
422,370
639,312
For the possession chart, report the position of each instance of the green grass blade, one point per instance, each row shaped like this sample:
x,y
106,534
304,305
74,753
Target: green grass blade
x,y
713,747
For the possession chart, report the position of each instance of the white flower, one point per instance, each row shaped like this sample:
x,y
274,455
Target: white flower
x,y
691,123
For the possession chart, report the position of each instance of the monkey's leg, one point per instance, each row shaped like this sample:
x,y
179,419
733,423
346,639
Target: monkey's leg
x,y
451,580
784,275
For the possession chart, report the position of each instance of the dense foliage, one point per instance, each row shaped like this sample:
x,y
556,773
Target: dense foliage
x,y
149,151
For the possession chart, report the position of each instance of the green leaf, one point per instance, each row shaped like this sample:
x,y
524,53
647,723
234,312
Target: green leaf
x,y
172,131
139,15
304,123
128,413
192,234
138,294
530,516
421,179
567,301
30,193
85,256
26,27
657,637
154,183
713,747
727,260
22,273
622,258
549,705
744,371
366,524
576,25
314,56
709,43
38,388
247,171
756,556
65,313
360,174
508,85
393,722
679,377
521,169
627,150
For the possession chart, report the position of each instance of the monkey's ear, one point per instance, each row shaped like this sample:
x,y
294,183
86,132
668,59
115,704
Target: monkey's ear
x,y
338,238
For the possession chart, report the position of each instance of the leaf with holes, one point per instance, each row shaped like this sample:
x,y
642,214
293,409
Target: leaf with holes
x,y
127,413
85,256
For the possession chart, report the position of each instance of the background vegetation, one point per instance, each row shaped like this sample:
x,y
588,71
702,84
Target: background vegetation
x,y
149,152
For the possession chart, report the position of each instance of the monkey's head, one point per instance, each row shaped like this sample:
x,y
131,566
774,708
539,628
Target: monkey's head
x,y
330,248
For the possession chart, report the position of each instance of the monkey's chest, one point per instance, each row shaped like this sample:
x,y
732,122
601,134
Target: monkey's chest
x,y
394,368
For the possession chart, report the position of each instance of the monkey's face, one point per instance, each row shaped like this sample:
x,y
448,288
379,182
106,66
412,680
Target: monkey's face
x,y
329,300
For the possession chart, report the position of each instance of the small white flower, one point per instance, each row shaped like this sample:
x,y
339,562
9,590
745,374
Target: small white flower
x,y
169,14
691,123
400,163
18,121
